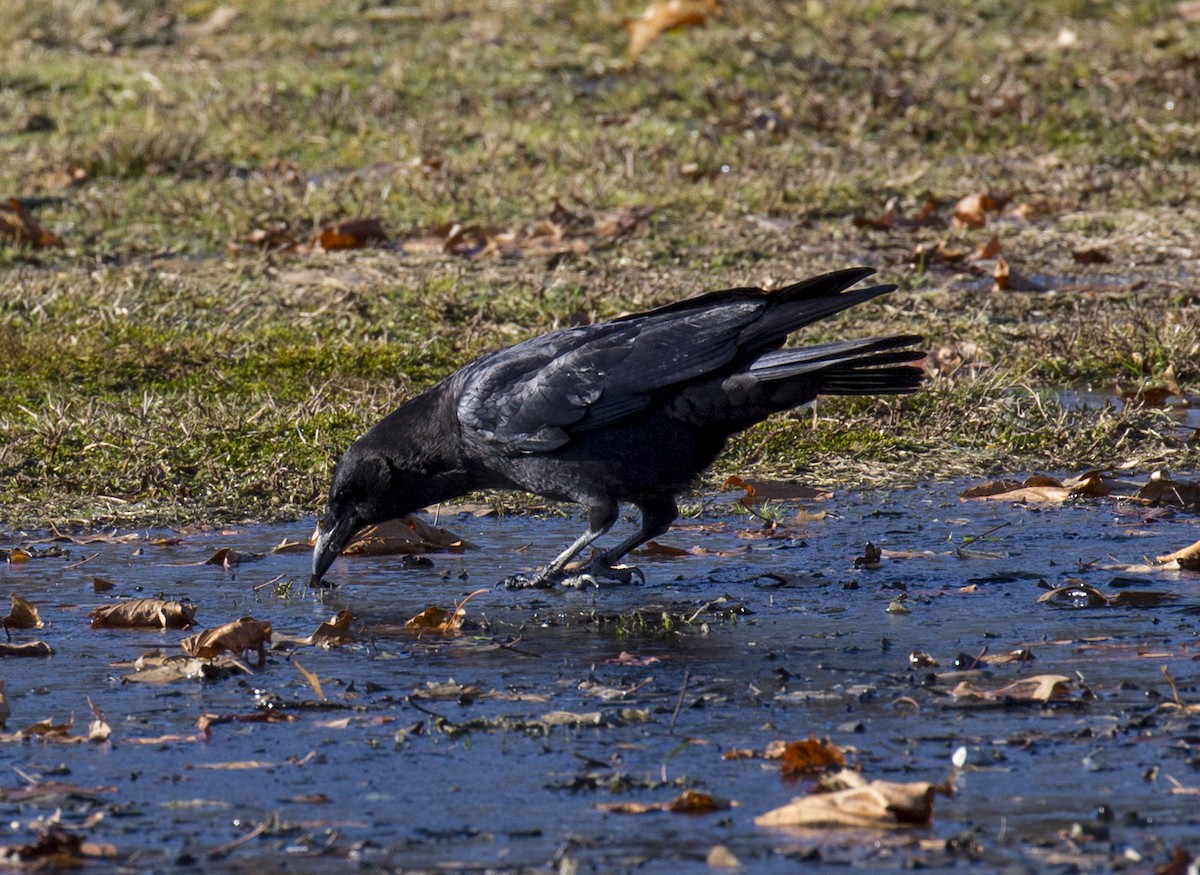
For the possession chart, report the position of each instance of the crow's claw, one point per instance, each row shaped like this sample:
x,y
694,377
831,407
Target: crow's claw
x,y
525,581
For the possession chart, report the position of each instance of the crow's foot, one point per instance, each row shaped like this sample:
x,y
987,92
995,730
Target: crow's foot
x,y
526,581
595,571
580,578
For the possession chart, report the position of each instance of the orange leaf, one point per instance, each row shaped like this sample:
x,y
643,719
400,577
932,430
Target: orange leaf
x,y
810,755
971,211
348,234
17,224
666,15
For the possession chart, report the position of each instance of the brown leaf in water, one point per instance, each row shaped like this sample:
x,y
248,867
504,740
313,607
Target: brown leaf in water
x,y
144,614
404,535
313,680
1039,688
1188,557
666,15
29,648
22,615
236,638
810,755
435,619
1148,396
227,557
1161,489
335,632
687,802
857,804
18,225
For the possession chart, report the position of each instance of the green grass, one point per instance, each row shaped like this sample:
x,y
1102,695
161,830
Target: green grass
x,y
156,371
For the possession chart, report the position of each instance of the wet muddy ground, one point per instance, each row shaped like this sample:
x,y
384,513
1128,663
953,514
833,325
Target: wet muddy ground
x,y
492,749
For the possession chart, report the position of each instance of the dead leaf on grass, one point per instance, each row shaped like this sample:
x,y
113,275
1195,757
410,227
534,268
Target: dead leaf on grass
x,y
18,225
236,638
971,211
144,614
1005,279
855,803
218,21
666,15
22,615
346,234
60,177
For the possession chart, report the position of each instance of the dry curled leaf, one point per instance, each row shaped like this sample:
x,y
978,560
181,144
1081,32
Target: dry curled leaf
x,y
971,211
666,15
22,615
1039,688
1188,557
334,632
858,804
347,234
29,648
18,225
810,755
435,619
687,802
404,535
236,637
144,614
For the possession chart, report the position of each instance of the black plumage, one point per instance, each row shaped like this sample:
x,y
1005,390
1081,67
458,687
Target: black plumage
x,y
631,410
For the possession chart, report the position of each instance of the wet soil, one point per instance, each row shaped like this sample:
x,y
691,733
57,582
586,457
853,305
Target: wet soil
x,y
491,749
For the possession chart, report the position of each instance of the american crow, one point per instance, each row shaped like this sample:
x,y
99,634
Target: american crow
x,y
629,410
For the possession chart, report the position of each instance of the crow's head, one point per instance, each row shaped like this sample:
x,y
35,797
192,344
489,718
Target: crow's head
x,y
365,490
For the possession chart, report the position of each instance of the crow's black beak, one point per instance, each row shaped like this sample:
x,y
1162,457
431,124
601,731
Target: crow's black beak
x,y
332,537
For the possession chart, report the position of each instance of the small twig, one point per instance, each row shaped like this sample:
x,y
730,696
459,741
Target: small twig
x,y
82,561
221,851
970,539
1174,689
678,702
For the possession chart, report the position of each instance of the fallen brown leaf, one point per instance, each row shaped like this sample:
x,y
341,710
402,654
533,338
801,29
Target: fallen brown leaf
x,y
22,615
971,211
810,755
18,225
858,804
143,614
435,619
1039,688
666,15
236,637
404,535
347,234
687,802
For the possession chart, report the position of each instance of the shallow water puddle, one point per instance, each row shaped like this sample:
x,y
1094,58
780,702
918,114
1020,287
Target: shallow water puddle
x,y
506,745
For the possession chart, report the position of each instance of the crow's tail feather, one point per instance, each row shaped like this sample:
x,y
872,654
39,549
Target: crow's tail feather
x,y
869,366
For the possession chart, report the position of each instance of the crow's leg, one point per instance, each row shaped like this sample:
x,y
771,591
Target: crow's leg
x,y
657,516
601,516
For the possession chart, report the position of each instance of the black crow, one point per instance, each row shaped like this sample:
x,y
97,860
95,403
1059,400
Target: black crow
x,y
630,410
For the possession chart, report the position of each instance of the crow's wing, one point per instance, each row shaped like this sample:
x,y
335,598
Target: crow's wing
x,y
532,395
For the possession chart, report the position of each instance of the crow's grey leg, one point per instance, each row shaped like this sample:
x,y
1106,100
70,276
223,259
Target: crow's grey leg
x,y
657,516
601,517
